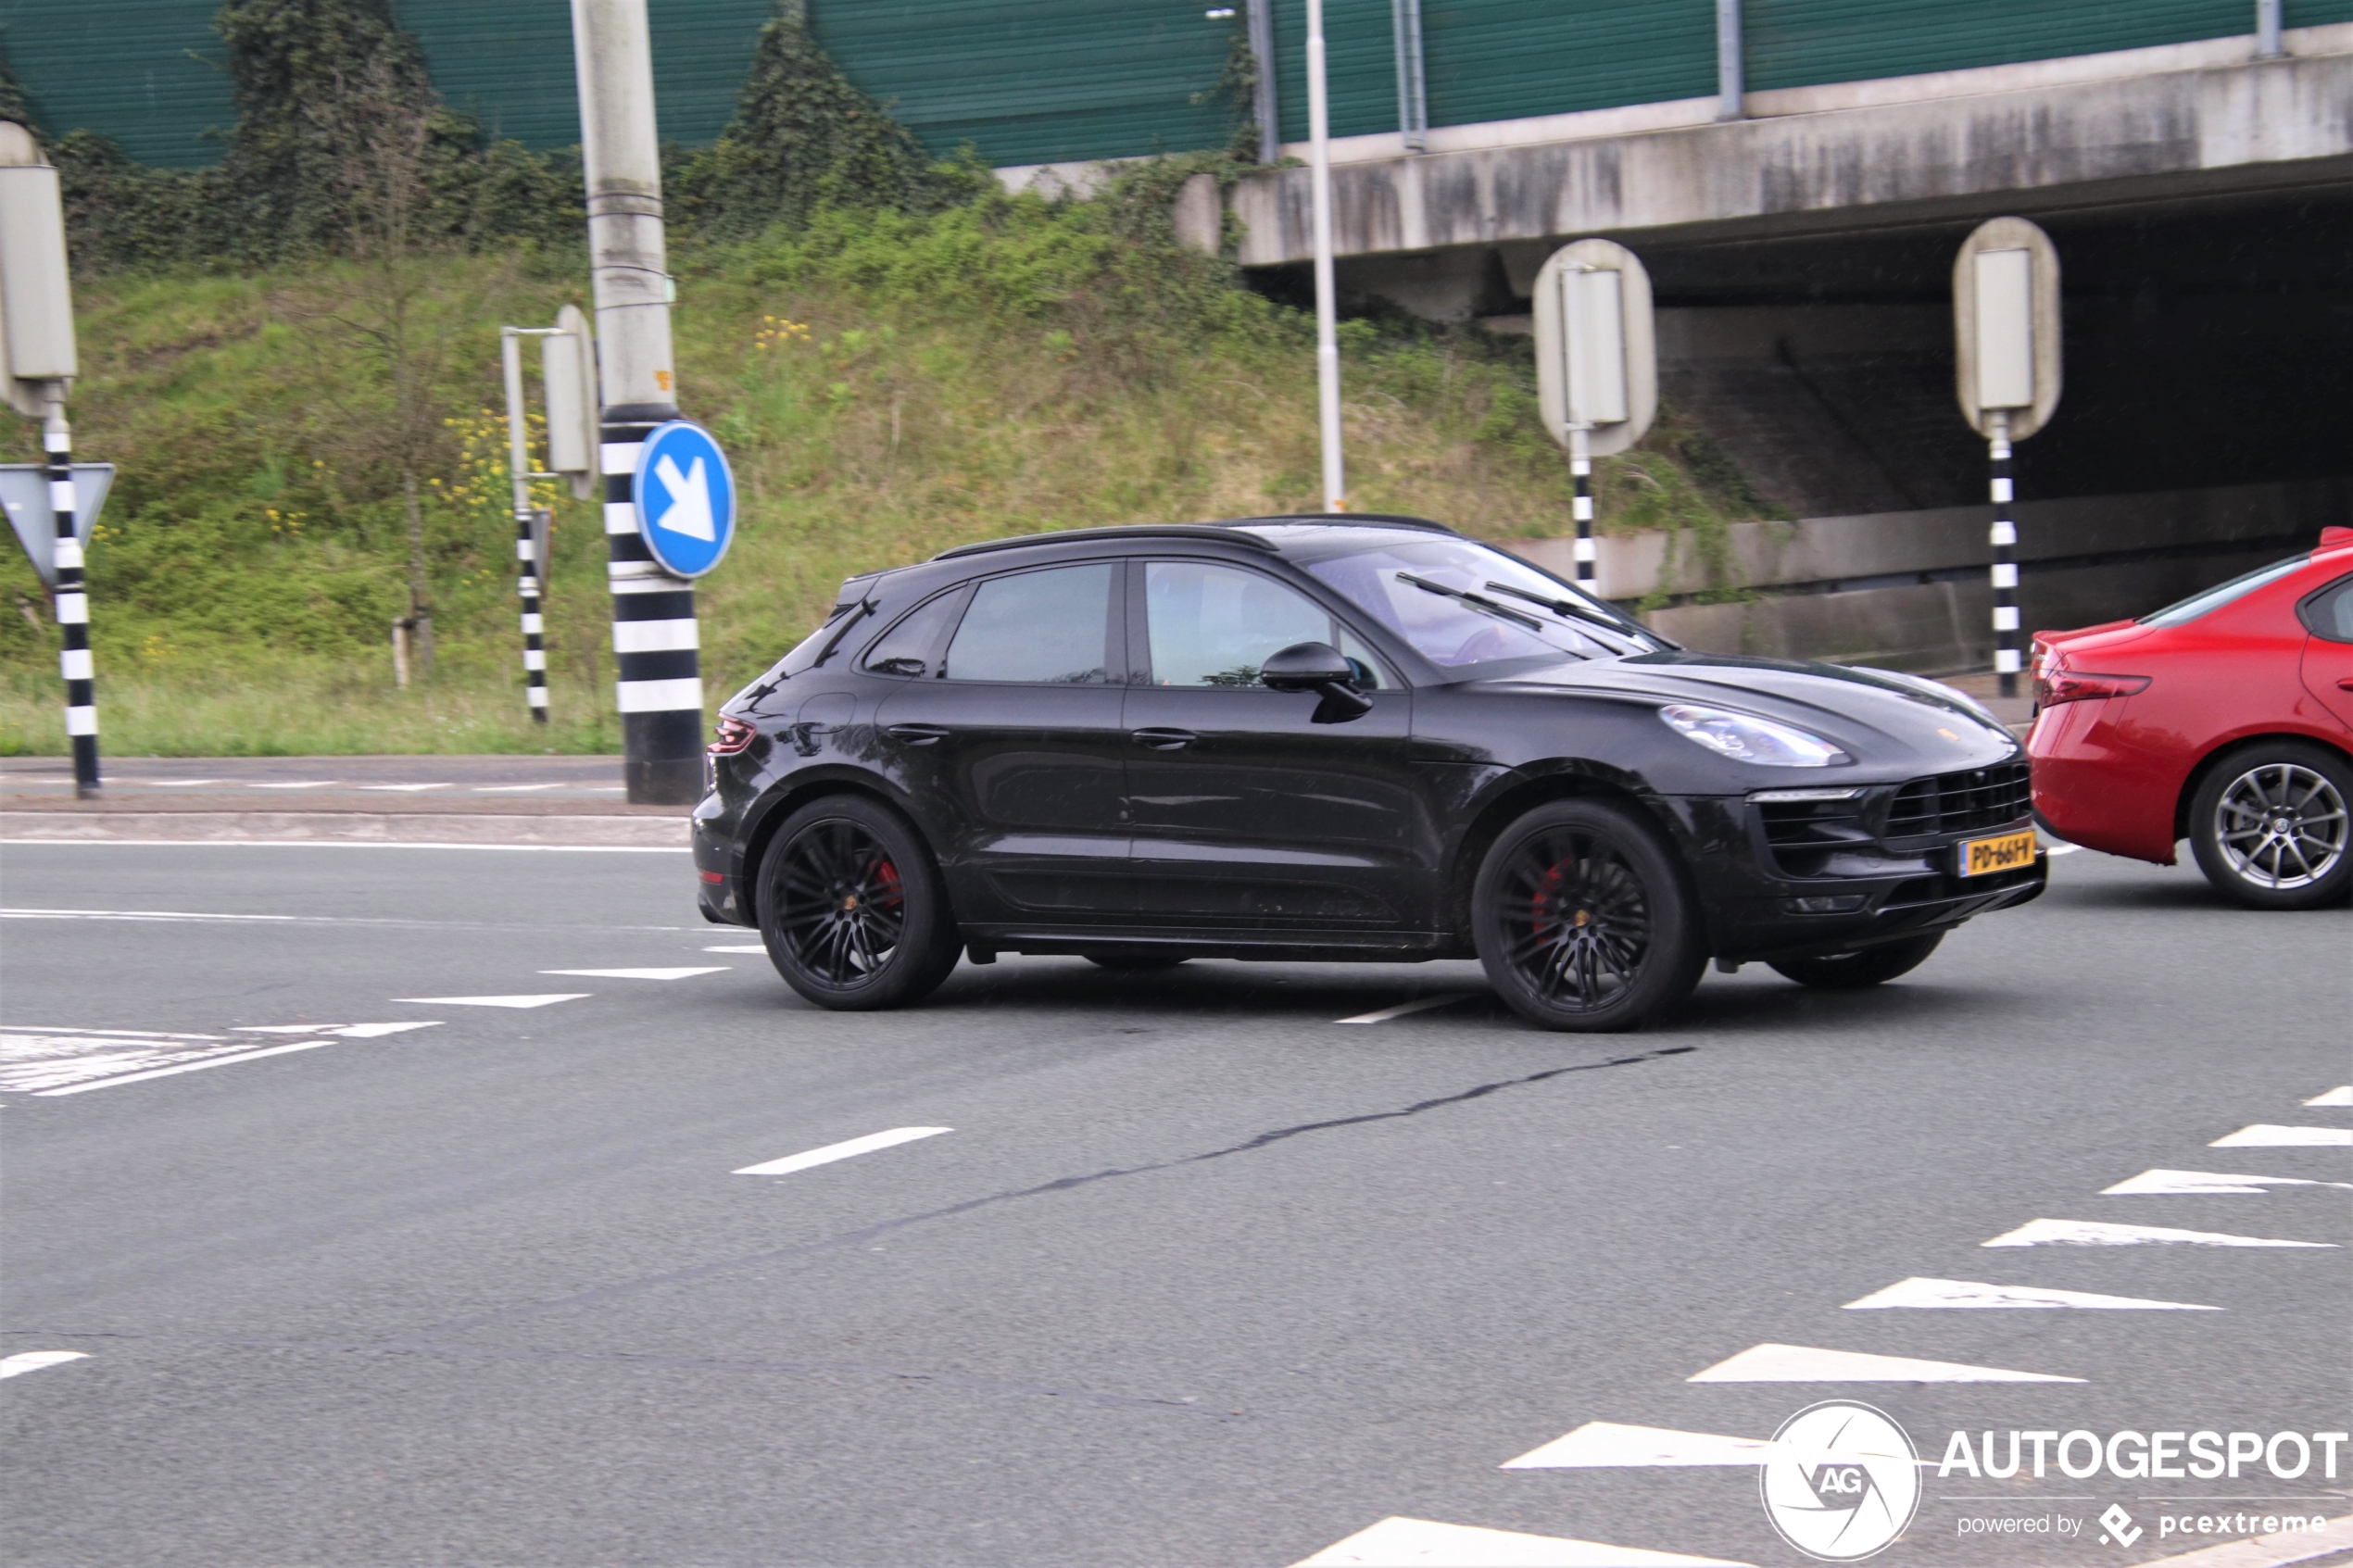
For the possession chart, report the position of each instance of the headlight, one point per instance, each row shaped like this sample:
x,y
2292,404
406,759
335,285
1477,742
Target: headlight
x,y
1744,737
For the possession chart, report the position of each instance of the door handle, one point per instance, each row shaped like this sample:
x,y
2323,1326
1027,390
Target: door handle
x,y
918,734
2345,683
1163,740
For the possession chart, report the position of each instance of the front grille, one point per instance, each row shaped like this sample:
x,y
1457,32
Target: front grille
x,y
1963,802
1813,824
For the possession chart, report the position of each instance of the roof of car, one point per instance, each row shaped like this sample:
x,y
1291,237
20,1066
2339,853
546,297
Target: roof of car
x,y
1230,530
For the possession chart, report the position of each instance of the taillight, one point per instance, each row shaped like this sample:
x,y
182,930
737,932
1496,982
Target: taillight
x,y
2055,683
734,735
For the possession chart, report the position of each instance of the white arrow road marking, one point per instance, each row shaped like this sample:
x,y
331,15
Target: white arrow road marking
x,y
33,1361
1607,1445
340,1031
2203,1184
497,1001
640,973
2341,1095
1402,1008
843,1150
1800,1364
1942,1293
2097,1232
2264,1134
689,508
1424,1543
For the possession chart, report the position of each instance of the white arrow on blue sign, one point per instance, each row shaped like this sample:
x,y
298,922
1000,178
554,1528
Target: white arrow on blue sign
x,y
686,498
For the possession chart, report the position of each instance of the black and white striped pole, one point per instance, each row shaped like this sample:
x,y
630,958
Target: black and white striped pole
x,y
73,600
528,566
2006,330
1596,368
655,638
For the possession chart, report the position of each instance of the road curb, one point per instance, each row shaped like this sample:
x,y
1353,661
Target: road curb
x,y
343,827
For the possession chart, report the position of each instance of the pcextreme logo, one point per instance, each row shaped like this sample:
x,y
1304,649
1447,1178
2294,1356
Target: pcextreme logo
x,y
1841,1481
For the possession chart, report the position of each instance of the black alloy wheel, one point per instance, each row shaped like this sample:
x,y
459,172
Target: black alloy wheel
x,y
1582,921
1857,968
2270,826
852,908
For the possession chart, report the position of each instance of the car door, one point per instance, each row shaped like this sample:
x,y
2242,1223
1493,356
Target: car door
x,y
1007,729
2328,653
1243,811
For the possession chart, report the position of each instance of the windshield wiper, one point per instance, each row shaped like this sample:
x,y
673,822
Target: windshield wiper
x,y
1573,609
1480,601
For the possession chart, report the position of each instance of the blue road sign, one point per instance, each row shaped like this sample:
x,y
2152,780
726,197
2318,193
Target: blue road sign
x,y
686,498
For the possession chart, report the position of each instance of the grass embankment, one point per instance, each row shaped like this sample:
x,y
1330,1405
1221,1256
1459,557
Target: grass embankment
x,y
885,386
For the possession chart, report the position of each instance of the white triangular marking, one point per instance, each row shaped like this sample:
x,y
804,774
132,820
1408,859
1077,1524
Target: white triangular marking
x,y
33,1361
1941,1293
1423,1543
2097,1232
1800,1364
2202,1184
689,508
2341,1095
2264,1134
639,974
1600,1445
497,1001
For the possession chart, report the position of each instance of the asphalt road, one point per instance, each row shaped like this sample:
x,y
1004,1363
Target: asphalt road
x,y
1201,1275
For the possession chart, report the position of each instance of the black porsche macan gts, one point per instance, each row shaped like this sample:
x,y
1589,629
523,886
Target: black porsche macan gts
x,y
1318,738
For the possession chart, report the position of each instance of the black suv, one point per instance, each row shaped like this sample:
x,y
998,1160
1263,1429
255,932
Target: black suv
x,y
1335,738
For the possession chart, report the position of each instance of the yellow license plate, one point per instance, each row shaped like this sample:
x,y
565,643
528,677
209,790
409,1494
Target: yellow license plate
x,y
2011,850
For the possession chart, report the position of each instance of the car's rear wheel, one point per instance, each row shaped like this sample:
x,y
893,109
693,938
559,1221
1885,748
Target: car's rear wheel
x,y
852,909
2270,826
1136,963
1860,967
1582,920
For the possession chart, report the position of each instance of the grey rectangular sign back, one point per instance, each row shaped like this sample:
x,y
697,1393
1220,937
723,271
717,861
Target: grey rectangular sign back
x,y
24,490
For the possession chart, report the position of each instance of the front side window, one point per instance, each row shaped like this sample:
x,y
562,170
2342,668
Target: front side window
x,y
1215,625
1048,627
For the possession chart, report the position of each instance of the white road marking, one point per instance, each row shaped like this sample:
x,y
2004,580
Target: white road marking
x,y
1607,1445
346,844
109,1083
2098,1233
2264,1134
1800,1364
129,914
110,1033
511,789
174,784
404,789
2203,1184
1402,1008
305,784
843,1150
1951,1293
640,973
538,1001
1424,1543
2280,1550
739,948
339,1030
2062,850
2341,1095
33,1361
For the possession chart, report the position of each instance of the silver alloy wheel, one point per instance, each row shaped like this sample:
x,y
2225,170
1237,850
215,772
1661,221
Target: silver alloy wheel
x,y
2281,826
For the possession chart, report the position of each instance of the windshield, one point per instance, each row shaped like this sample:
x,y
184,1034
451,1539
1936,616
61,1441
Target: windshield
x,y
2224,592
1462,604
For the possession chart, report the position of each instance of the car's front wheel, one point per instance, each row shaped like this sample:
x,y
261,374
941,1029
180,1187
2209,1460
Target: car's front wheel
x,y
1860,967
852,909
2270,826
1582,920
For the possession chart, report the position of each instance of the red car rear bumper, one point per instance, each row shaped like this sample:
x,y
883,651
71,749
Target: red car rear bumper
x,y
2091,788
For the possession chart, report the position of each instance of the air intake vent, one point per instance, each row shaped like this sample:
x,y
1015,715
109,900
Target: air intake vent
x,y
1981,798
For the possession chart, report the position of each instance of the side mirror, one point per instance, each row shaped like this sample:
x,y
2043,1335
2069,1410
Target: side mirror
x,y
1317,667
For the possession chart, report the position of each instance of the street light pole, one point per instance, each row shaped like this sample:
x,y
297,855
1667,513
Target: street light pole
x,y
1320,197
655,638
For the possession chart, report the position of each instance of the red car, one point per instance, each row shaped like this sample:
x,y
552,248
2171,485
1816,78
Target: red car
x,y
2226,719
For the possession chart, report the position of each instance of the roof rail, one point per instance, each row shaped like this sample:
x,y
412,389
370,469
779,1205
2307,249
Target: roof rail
x,y
1122,530
1346,519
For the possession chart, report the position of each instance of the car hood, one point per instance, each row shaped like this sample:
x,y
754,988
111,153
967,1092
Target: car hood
x,y
1880,720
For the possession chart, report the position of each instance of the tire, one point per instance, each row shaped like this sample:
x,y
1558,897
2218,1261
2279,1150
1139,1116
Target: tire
x,y
852,908
1860,967
2270,826
1582,919
1136,963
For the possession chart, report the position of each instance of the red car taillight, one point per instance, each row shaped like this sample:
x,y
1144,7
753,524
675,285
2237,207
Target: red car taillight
x,y
734,735
2055,683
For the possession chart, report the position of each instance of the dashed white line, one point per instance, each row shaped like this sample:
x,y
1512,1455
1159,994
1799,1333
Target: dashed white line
x,y
639,974
1941,1294
2341,1095
739,948
513,789
1607,1445
2098,1233
1802,1363
2264,1134
33,1361
1399,1542
303,784
548,1000
1384,1014
404,789
130,914
844,1150
2203,1184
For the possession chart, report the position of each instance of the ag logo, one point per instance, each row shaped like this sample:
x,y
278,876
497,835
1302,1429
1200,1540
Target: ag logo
x,y
1841,1482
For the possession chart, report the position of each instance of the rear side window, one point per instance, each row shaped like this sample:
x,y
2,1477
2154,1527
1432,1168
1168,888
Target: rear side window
x,y
2329,613
2214,598
906,649
1051,627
